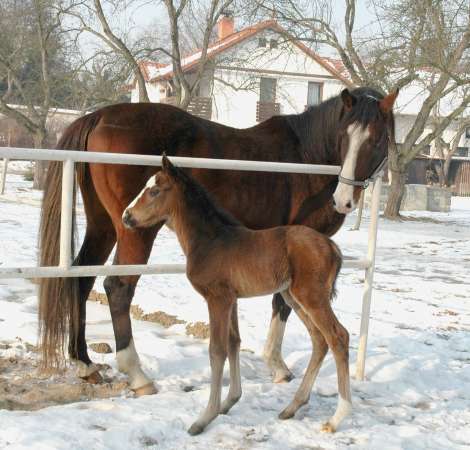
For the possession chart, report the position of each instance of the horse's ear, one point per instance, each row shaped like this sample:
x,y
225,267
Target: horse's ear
x,y
167,166
386,104
349,100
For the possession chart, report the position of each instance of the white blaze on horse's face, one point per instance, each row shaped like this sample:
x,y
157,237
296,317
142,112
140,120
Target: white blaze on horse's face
x,y
126,217
344,193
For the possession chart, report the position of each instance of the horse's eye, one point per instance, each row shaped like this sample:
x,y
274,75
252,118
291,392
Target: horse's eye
x,y
154,192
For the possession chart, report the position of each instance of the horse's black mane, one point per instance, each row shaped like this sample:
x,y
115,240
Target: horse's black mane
x,y
317,127
201,201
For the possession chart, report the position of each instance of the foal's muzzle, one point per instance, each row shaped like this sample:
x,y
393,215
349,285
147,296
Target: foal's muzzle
x,y
128,220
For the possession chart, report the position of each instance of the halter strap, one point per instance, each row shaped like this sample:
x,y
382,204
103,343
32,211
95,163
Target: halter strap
x,y
364,184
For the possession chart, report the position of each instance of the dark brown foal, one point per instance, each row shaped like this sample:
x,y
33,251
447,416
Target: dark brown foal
x,y
226,261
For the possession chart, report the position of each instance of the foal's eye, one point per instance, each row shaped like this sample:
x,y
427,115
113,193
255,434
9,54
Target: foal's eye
x,y
154,192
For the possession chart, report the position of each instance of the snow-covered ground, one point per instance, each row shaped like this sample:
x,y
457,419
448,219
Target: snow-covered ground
x,y
417,392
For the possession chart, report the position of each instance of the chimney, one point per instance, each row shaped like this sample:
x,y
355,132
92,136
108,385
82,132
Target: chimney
x,y
226,25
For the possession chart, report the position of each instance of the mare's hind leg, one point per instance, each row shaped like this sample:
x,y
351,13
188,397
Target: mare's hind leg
x,y
319,347
220,310
95,250
235,390
133,247
272,353
99,240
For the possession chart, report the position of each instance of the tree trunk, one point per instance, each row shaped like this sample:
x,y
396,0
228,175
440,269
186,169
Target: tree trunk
x,y
40,167
395,196
446,168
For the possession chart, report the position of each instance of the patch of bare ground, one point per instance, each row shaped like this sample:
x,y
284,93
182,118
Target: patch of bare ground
x,y
198,330
160,317
24,387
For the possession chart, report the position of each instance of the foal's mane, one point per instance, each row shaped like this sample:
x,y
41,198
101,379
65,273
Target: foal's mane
x,y
200,201
317,127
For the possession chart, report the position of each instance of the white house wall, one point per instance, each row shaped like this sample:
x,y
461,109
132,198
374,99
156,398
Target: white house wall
x,y
237,78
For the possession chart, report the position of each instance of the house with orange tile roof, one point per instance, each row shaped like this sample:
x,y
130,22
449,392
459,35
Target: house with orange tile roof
x,y
251,74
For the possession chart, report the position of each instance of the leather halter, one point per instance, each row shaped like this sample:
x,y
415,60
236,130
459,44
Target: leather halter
x,y
364,184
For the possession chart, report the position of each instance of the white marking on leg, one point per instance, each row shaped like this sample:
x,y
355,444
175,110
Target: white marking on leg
x,y
344,192
84,370
149,184
129,363
343,410
272,353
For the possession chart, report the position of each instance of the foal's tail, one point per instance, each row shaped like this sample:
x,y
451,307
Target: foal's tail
x,y
337,263
59,297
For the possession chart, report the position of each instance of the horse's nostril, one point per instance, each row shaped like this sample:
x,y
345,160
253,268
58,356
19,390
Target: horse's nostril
x,y
128,220
334,203
348,205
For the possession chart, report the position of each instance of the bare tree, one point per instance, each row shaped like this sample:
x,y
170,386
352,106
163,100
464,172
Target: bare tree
x,y
446,150
95,18
29,52
423,42
186,90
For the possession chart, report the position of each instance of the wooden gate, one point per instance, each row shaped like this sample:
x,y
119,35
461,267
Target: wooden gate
x,y
462,180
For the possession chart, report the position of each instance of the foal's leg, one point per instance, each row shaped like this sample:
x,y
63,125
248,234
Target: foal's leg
x,y
273,348
133,247
235,390
220,310
337,338
319,347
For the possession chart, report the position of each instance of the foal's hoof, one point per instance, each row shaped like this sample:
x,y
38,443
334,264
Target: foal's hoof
x,y
93,378
286,414
328,428
148,389
195,429
283,377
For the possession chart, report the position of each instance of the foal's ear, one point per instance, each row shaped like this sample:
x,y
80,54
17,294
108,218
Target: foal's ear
x,y
349,100
167,167
386,104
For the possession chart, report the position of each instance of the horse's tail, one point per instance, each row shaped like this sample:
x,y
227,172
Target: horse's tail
x,y
337,263
59,297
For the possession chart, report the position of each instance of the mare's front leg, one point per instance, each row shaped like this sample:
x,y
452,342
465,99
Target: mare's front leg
x,y
220,310
273,348
133,247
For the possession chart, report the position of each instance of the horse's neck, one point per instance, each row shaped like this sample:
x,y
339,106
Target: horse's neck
x,y
317,130
191,230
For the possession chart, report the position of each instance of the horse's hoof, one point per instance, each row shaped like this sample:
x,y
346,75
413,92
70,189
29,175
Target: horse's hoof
x,y
93,378
195,429
283,377
328,428
148,389
286,414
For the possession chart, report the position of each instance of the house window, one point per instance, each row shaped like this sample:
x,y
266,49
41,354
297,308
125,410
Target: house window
x,y
267,90
314,93
426,150
461,151
467,133
262,42
273,43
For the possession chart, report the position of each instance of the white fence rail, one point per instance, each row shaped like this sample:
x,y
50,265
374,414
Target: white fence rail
x,y
65,268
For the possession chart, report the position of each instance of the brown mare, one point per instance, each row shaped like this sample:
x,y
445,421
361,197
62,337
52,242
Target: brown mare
x,y
351,130
227,261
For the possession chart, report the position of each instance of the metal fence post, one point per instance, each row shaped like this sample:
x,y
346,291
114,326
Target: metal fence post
x,y
4,175
68,173
360,209
369,278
